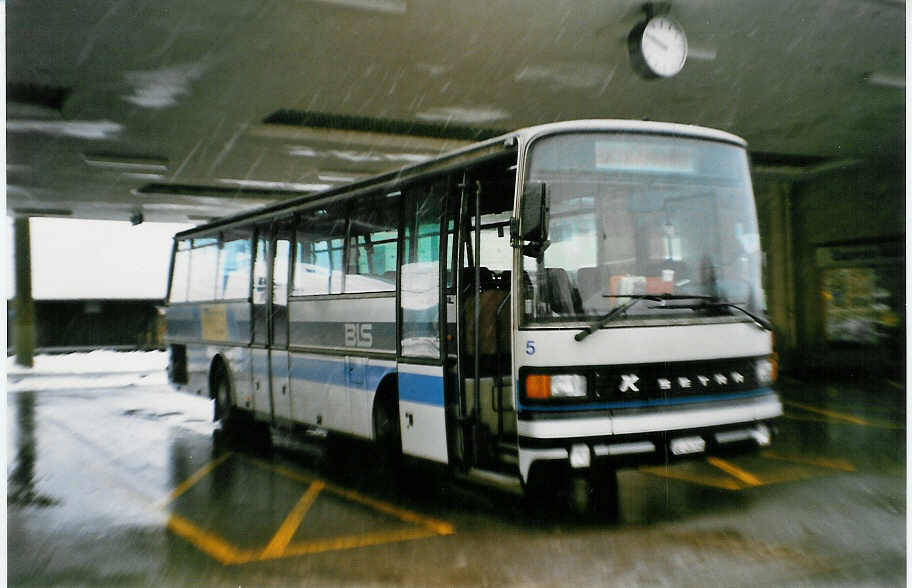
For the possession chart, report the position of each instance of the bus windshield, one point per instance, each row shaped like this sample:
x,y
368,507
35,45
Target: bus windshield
x,y
639,214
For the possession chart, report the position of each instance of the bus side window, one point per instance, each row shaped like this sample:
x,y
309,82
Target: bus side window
x,y
372,245
420,297
203,264
233,277
181,277
318,251
260,269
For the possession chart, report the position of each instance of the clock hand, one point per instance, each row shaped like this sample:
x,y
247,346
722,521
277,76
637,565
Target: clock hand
x,y
655,40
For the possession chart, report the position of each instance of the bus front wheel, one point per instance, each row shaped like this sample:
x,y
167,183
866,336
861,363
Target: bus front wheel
x,y
603,493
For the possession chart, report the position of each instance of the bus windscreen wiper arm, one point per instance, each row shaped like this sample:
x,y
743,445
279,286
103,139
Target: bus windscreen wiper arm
x,y
618,311
712,302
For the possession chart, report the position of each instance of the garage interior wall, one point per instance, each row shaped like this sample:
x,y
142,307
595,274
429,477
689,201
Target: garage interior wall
x,y
835,269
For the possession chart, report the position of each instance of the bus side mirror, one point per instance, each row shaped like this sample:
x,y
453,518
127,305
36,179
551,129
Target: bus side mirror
x,y
534,218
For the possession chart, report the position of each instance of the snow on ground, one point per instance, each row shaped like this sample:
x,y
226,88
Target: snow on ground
x,y
97,369
92,362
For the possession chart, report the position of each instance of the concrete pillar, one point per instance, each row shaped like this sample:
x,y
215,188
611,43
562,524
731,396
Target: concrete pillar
x,y
774,201
780,267
24,318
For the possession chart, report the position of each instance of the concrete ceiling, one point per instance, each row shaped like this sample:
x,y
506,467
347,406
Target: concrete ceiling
x,y
190,110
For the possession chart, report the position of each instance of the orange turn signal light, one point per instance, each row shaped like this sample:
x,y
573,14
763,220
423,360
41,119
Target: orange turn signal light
x,y
538,386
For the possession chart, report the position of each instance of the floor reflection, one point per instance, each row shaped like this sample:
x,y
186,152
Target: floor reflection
x,y
22,489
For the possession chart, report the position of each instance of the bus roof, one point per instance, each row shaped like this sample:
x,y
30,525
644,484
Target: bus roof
x,y
481,150
631,126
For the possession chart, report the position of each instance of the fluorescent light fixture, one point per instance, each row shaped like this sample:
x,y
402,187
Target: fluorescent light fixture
x,y
80,129
268,185
134,163
378,156
144,176
384,6
701,53
203,202
885,80
302,152
474,115
340,178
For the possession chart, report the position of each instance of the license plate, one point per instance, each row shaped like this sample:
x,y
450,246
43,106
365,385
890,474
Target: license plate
x,y
685,445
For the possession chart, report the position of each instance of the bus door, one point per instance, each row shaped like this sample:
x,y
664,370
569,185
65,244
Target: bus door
x,y
278,323
483,299
259,350
422,406
269,353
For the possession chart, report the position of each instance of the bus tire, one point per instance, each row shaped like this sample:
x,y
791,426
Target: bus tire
x,y
387,434
221,391
603,493
545,489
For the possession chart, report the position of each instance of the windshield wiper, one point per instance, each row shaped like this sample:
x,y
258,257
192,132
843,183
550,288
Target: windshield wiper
x,y
713,302
619,311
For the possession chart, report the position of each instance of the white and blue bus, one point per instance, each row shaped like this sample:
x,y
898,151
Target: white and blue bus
x,y
562,300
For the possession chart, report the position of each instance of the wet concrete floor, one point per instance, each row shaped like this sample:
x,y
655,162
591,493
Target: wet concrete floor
x,y
134,486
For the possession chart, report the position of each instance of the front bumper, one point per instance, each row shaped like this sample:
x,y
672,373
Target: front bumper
x,y
627,438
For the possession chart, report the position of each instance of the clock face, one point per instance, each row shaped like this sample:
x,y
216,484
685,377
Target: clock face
x,y
663,46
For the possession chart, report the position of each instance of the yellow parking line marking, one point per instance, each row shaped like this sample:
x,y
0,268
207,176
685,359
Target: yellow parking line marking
x,y
871,408
886,425
355,541
832,414
835,464
662,472
733,470
280,545
842,421
439,527
282,538
196,477
787,475
210,544
812,419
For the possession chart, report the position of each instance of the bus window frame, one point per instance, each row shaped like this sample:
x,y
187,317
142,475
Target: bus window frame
x,y
213,279
221,244
174,242
356,206
346,206
447,178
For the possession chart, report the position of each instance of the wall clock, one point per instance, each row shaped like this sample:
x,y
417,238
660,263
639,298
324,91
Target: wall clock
x,y
658,47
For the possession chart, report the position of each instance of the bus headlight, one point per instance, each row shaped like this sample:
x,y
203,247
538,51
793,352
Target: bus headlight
x,y
545,386
568,386
765,370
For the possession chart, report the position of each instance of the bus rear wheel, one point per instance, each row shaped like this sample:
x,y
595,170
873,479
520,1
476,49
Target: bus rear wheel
x,y
238,428
224,410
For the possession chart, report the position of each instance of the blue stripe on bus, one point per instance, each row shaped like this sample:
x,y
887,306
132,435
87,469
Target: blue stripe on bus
x,y
318,370
647,403
329,371
421,388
